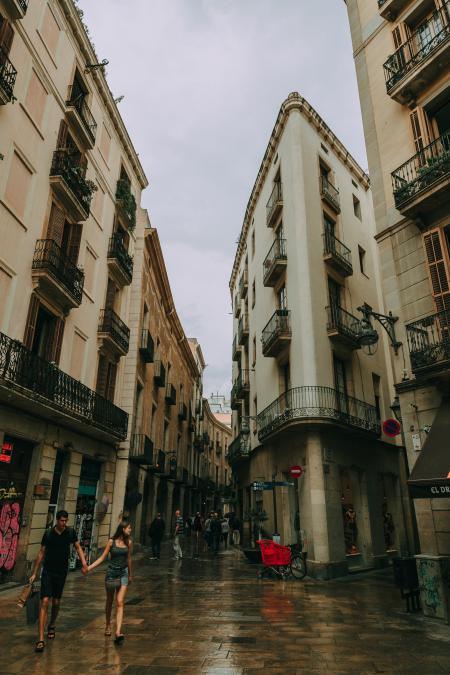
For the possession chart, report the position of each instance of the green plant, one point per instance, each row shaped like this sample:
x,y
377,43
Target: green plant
x,y
124,194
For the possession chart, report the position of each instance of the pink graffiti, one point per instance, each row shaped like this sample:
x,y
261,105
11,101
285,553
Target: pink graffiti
x,y
9,535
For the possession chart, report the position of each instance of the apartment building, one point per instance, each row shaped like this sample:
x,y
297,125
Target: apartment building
x,y
402,59
69,184
215,472
306,392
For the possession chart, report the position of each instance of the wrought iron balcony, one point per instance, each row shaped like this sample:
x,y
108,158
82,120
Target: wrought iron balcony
x,y
243,284
303,404
79,114
276,336
126,203
15,9
336,254
237,306
389,9
120,263
275,263
274,205
171,394
330,194
141,449
343,327
182,412
236,350
243,383
424,180
42,389
113,331
8,76
238,450
159,374
235,400
67,178
56,274
159,462
147,346
429,343
421,59
243,329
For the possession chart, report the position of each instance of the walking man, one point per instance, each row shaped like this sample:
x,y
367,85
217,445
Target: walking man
x,y
179,529
225,531
54,551
156,532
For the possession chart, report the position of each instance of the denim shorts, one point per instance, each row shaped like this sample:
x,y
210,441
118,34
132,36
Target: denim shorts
x,y
123,578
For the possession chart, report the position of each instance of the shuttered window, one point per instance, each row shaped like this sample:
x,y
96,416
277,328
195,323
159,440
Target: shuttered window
x,y
30,326
55,228
6,36
438,267
419,126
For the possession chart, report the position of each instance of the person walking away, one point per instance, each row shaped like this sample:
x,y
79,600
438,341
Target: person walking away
x,y
216,533
118,575
54,551
225,531
236,531
197,528
156,533
178,533
207,531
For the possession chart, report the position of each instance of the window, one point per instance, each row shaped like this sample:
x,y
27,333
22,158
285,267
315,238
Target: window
x,y
329,225
18,185
340,383
253,243
357,207
253,293
282,298
254,351
362,260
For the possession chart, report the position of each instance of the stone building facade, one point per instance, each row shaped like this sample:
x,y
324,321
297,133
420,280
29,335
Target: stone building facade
x,y
304,391
402,58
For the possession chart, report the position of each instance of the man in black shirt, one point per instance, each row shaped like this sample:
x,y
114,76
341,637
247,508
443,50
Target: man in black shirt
x,y
54,551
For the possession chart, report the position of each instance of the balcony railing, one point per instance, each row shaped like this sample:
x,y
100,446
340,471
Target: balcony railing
x,y
320,403
419,47
46,384
339,255
126,201
171,394
24,5
70,169
159,374
389,9
330,194
344,324
111,324
77,99
141,449
236,349
275,204
278,328
243,382
274,262
48,256
8,76
147,346
429,342
423,170
243,284
117,251
239,449
243,329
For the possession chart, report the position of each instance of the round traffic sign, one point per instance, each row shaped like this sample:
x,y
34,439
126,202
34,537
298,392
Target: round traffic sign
x,y
391,427
296,471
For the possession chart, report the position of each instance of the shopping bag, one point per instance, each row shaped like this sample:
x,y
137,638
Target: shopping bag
x,y
32,606
24,596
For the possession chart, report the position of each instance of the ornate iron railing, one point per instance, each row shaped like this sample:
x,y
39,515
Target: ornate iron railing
x,y
77,99
243,328
333,246
118,251
429,340
277,252
381,2
28,373
328,191
127,201
344,322
238,449
415,50
69,167
422,170
49,256
8,75
302,403
278,325
113,325
276,197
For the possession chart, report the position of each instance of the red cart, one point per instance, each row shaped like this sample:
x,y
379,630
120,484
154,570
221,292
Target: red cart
x,y
281,560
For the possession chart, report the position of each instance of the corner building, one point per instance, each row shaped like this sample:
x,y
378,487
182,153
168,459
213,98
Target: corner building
x,y
402,59
69,186
304,393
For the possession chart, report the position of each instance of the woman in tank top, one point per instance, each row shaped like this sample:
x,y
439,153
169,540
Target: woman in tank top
x,y
118,575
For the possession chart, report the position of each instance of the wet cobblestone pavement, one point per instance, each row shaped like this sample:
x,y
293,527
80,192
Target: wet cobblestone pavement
x,y
214,616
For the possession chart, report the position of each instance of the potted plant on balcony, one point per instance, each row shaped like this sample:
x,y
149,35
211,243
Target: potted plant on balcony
x,y
128,202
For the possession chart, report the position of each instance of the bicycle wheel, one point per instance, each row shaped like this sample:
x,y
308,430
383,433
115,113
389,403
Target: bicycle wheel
x,y
298,566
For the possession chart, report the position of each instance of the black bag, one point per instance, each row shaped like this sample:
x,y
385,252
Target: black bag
x,y
32,606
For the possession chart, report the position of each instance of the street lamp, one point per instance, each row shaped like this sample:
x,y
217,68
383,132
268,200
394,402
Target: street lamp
x,y
395,407
368,335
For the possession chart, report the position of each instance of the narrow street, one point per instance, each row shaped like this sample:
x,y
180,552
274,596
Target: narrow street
x,y
215,616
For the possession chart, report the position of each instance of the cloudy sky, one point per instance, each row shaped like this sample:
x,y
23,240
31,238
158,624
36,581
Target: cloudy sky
x,y
202,82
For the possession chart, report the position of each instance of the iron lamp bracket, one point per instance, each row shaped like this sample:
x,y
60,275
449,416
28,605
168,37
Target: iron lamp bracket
x,y
388,322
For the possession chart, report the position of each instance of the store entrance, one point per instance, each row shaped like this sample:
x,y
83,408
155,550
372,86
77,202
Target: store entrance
x,y
85,510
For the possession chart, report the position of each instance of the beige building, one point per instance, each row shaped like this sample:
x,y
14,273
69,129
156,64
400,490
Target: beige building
x,y
305,392
214,467
402,58
69,186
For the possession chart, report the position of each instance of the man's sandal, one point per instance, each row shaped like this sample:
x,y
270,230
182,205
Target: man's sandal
x,y
40,644
51,632
119,639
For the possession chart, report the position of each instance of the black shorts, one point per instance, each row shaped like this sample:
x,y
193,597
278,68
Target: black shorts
x,y
52,585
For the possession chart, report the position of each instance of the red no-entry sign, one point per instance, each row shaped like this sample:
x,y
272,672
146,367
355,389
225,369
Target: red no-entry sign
x,y
391,427
296,471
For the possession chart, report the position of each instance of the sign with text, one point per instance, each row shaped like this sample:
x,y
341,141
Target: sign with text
x,y
258,486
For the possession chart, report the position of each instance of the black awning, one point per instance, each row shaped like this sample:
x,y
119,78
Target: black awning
x,y
430,477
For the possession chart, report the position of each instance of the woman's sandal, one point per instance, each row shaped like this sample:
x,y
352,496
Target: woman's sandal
x,y
51,632
40,644
108,631
119,639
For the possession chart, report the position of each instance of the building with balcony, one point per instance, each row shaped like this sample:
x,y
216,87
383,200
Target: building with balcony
x,y
65,273
304,390
402,59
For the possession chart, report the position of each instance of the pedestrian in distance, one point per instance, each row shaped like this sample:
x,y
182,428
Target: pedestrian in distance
x,y
54,552
118,575
207,531
197,528
216,533
178,533
236,531
156,533
225,531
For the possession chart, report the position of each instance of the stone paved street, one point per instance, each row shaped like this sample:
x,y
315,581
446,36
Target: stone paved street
x,y
214,616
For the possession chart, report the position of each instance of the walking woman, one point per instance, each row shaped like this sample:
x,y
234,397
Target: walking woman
x,y
118,575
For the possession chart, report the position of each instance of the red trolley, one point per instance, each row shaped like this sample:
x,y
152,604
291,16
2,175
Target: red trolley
x,y
280,560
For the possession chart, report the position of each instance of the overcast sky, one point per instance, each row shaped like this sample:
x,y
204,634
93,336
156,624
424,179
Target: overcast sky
x,y
203,81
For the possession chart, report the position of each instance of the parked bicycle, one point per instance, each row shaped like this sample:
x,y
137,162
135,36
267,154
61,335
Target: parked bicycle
x,y
283,561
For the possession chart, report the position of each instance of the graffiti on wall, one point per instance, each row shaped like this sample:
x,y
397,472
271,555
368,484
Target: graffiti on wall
x,y
9,534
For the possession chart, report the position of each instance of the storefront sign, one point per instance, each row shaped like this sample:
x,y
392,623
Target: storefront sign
x,y
270,485
431,491
6,453
391,427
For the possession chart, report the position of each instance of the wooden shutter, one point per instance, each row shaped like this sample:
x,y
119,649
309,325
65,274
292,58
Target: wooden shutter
x,y
61,143
419,125
73,247
397,37
102,373
6,36
55,228
58,333
31,321
438,267
111,381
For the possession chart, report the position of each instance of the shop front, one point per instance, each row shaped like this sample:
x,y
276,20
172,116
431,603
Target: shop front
x,y
85,514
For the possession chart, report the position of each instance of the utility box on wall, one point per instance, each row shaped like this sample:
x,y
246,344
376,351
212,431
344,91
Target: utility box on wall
x,y
434,583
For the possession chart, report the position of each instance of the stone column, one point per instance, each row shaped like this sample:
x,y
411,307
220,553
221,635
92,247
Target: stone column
x,y
318,499
169,507
154,507
120,483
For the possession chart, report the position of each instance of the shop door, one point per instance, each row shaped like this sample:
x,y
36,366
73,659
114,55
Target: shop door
x,y
15,458
85,511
